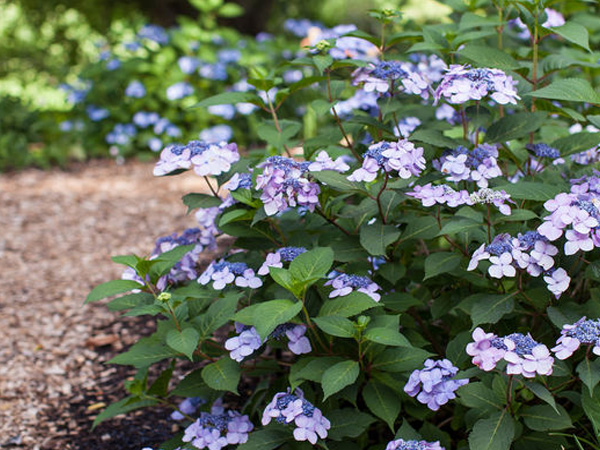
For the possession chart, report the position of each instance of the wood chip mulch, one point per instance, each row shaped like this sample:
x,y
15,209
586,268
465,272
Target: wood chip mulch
x,y
58,230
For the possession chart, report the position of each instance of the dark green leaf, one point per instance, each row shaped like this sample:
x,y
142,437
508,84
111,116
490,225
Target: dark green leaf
x,y
338,377
348,423
515,126
347,306
544,418
336,326
223,375
494,433
111,288
489,308
441,262
376,237
184,341
568,89
575,33
383,402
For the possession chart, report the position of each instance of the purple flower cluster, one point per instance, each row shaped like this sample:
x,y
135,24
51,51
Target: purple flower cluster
x,y
239,181
589,156
406,126
248,340
434,385
361,100
283,183
577,214
530,251
179,90
187,406
309,421
344,284
277,258
185,269
218,429
216,134
324,162
401,444
385,76
224,273
135,89
244,344
154,33
401,156
462,83
524,356
430,195
478,165
584,331
121,134
206,159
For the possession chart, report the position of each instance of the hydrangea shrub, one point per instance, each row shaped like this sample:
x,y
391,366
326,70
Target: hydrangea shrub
x,y
416,269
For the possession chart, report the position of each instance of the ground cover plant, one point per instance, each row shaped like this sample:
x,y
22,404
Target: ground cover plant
x,y
413,265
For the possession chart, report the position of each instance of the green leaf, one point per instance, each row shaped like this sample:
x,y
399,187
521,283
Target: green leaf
x,y
126,260
494,433
336,326
268,132
383,402
479,396
376,237
131,301
283,277
231,10
269,314
223,375
441,262
165,262
542,393
568,89
589,373
575,33
348,423
591,406
576,143
392,271
337,181
484,56
544,418
230,98
313,370
515,126
402,359
433,137
265,439
123,406
111,288
160,387
184,341
322,62
195,201
217,315
312,265
490,308
338,377
347,306
236,215
421,228
531,190
144,353
386,336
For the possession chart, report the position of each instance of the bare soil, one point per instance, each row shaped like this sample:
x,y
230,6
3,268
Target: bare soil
x,y
58,230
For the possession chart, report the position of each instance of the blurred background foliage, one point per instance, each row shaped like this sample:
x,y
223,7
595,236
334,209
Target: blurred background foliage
x,y
44,43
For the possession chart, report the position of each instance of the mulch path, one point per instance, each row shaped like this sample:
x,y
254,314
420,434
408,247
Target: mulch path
x,y
58,230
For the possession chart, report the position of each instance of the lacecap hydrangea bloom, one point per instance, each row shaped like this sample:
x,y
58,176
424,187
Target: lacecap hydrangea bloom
x,y
401,156
434,385
524,356
225,273
248,340
386,76
278,257
187,406
584,331
577,215
344,284
478,165
462,83
401,444
206,159
284,183
286,408
443,194
218,429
